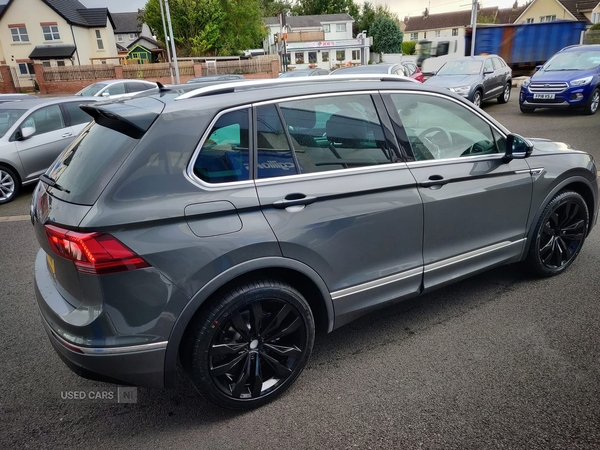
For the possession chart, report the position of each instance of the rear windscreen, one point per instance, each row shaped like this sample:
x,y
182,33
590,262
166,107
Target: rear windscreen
x,y
89,163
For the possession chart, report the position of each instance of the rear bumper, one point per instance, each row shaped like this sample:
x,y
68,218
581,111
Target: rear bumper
x,y
141,367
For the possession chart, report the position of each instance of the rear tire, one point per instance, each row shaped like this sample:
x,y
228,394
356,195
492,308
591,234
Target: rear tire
x,y
559,234
505,96
10,184
250,344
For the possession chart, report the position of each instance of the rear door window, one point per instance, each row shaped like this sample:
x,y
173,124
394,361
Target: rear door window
x,y
137,87
76,115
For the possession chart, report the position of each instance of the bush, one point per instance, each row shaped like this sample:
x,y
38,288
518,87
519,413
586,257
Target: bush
x,y
595,27
409,47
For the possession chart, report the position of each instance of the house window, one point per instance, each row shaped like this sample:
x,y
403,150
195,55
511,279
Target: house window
x,y
19,33
299,58
424,34
340,27
132,35
340,55
595,17
454,31
312,57
46,63
327,28
119,38
355,55
99,40
60,63
548,18
529,20
50,32
325,56
414,36
438,33
26,69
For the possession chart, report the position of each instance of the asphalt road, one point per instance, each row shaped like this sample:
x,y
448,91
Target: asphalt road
x,y
501,360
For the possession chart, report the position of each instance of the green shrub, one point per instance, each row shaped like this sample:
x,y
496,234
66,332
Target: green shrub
x,y
408,47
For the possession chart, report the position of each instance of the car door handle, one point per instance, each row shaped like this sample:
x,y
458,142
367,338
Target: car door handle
x,y
294,200
434,180
67,135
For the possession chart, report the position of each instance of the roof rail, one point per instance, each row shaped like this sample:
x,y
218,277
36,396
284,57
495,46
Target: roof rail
x,y
249,84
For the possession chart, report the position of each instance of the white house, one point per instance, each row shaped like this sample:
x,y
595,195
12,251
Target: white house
x,y
323,41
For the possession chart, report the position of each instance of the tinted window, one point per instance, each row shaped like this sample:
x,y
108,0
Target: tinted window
x,y
76,115
137,87
498,64
274,156
224,155
45,120
87,165
92,89
332,133
115,89
439,128
8,117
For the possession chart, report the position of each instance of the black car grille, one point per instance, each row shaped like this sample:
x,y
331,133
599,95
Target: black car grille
x,y
548,88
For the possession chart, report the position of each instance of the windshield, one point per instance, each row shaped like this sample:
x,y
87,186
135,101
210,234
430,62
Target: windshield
x,y
91,90
461,68
584,60
8,117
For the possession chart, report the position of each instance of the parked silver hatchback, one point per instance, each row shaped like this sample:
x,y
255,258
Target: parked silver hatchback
x,y
226,225
33,134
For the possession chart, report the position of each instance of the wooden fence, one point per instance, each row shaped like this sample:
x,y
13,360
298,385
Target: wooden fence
x,y
244,67
158,70
71,73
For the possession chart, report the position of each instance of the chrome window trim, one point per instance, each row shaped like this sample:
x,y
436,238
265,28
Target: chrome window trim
x,y
310,96
470,255
376,283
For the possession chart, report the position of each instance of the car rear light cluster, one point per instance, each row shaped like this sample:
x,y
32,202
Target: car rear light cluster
x,y
94,253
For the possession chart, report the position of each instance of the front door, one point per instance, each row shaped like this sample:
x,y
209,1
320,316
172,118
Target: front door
x,y
338,199
475,204
51,137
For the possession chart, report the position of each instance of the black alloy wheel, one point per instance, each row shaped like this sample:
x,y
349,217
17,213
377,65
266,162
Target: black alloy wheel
x,y
560,234
251,345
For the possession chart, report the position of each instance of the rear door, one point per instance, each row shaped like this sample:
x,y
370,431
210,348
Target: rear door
x,y
491,80
76,118
341,202
52,135
475,204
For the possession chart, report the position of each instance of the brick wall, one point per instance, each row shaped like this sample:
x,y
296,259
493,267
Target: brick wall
x,y
6,81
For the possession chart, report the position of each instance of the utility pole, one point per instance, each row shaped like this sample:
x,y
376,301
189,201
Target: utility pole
x,y
172,42
473,26
162,14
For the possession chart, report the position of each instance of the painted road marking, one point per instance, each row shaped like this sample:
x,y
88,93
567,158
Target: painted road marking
x,y
14,218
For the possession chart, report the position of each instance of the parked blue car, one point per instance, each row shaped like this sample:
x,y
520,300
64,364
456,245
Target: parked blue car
x,y
570,79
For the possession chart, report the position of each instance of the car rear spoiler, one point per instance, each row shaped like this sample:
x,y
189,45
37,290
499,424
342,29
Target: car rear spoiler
x,y
132,117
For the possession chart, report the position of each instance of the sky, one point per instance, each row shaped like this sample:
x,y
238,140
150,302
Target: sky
x,y
401,7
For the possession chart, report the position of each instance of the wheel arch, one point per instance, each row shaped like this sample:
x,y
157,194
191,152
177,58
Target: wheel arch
x,y
297,274
16,171
578,184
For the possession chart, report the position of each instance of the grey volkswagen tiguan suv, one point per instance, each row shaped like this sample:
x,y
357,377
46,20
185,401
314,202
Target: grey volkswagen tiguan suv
x,y
225,225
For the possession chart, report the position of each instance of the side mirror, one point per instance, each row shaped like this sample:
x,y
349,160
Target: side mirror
x,y
105,94
517,147
27,132
487,72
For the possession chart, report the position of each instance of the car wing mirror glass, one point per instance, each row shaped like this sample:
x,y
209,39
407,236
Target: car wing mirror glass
x,y
105,94
517,147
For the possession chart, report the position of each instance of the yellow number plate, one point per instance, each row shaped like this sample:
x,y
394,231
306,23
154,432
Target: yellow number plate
x,y
50,262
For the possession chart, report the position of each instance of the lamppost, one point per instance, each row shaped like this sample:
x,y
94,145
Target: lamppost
x,y
172,42
162,14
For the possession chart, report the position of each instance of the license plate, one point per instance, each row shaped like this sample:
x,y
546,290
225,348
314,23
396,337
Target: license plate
x,y
543,96
50,262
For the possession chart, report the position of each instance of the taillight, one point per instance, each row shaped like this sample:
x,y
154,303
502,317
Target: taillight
x,y
94,253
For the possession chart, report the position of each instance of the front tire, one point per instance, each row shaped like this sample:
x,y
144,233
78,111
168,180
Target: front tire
x,y
559,234
526,110
477,98
250,344
9,185
505,96
592,106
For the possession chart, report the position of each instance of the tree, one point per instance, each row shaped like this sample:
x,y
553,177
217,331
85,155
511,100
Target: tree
x,y
209,27
270,8
387,36
316,7
369,15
